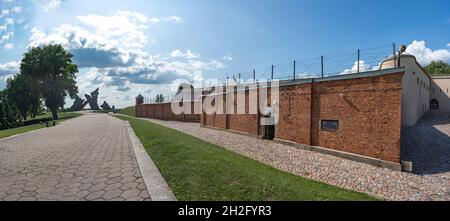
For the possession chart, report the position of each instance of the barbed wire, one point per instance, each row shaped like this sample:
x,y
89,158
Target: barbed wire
x,y
339,63
332,64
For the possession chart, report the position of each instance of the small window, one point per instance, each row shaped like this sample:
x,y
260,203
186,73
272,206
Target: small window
x,y
418,82
329,125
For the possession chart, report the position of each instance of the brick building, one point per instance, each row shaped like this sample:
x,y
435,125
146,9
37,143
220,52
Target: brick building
x,y
357,116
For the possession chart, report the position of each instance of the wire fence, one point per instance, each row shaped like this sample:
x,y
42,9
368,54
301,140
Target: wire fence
x,y
165,99
347,62
341,63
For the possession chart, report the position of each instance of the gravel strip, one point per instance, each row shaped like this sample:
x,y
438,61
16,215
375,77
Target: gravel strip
x,y
384,183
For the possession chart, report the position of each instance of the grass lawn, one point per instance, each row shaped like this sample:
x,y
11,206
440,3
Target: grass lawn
x,y
127,111
19,130
197,170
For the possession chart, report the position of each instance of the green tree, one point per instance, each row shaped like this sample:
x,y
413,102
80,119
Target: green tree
x,y
438,68
159,98
51,71
21,93
9,114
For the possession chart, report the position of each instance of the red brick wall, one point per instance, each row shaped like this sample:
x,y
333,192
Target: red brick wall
x,y
294,122
369,114
368,110
248,123
164,112
220,120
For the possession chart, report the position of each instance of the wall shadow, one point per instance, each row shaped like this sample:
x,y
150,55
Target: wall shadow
x,y
427,144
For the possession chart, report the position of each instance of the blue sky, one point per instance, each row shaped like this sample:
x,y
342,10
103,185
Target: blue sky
x,y
143,46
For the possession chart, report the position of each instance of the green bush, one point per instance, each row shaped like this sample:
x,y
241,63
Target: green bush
x,y
9,114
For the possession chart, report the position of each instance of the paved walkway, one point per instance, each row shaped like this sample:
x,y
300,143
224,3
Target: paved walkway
x,y
427,145
86,158
385,183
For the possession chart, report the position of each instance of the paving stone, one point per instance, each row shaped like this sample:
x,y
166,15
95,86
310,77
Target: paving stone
x,y
95,195
130,193
136,198
109,195
27,199
114,186
28,194
114,180
81,159
97,187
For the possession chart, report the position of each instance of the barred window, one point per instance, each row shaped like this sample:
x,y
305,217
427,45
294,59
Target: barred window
x,y
329,125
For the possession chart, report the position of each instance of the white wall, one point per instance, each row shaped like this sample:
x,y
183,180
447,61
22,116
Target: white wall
x,y
416,89
440,88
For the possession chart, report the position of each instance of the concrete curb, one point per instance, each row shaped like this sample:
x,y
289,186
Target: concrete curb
x,y
157,187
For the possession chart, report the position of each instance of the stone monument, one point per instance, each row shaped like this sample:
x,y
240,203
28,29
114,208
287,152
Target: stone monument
x,y
92,100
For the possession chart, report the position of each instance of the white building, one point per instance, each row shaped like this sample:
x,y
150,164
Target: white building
x,y
440,94
416,88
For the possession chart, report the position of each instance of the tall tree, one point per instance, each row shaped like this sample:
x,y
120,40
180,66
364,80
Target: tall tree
x,y
51,70
438,68
9,114
21,93
159,98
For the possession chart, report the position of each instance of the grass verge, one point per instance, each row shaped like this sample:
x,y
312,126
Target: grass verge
x,y
20,130
129,111
198,170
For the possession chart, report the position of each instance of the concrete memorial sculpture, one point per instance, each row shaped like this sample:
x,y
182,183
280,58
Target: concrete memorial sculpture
x,y
92,99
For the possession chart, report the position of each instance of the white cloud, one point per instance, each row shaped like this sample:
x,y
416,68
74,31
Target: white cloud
x,y
228,57
9,46
9,21
362,67
4,13
187,54
448,45
6,37
110,52
10,66
7,70
425,55
123,28
17,9
175,19
52,4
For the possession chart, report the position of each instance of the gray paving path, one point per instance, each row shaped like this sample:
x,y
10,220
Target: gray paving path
x,y
427,145
86,158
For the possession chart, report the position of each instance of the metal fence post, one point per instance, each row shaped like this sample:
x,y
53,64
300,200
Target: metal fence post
x,y
294,69
272,73
358,59
321,65
393,55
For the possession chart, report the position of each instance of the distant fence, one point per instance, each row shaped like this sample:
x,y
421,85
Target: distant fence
x,y
163,111
341,63
347,62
